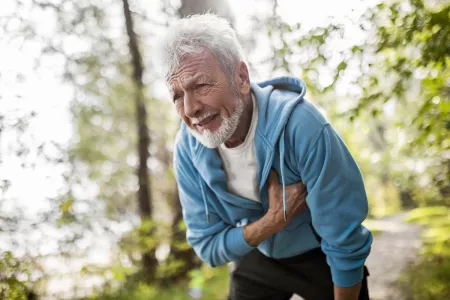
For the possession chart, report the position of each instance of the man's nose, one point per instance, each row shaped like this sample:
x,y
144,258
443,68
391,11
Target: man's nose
x,y
192,106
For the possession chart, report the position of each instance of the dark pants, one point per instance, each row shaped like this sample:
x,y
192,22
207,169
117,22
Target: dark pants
x,y
256,276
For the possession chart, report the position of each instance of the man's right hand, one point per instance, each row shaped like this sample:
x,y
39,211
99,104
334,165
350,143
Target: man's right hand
x,y
295,201
273,221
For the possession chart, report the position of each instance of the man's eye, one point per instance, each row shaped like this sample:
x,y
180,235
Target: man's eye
x,y
177,97
201,85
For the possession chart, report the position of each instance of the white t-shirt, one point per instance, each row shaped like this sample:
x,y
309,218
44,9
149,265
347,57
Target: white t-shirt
x,y
240,164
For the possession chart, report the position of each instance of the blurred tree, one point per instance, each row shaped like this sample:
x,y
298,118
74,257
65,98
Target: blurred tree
x,y
395,79
99,68
413,46
15,283
89,43
392,86
144,196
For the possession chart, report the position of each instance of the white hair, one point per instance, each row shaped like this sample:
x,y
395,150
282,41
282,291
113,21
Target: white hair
x,y
192,35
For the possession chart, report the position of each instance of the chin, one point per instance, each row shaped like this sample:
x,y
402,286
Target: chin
x,y
209,139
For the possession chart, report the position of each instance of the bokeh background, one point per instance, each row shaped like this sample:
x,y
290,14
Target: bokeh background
x,y
88,202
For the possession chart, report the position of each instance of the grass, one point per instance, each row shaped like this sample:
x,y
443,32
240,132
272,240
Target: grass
x,y
430,278
213,284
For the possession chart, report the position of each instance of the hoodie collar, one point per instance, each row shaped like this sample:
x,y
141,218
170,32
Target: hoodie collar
x,y
276,100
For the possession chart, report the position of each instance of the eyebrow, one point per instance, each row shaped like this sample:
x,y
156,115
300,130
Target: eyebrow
x,y
189,83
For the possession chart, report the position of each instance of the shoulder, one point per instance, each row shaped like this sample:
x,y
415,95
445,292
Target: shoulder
x,y
306,120
303,129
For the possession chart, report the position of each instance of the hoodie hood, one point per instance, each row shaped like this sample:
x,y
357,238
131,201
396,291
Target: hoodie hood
x,y
276,100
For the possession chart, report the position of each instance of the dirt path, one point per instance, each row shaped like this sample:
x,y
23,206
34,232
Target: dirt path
x,y
392,250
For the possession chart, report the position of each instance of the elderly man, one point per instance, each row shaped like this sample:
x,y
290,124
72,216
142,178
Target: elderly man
x,y
264,180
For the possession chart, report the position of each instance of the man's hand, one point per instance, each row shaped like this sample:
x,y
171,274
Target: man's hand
x,y
273,221
295,201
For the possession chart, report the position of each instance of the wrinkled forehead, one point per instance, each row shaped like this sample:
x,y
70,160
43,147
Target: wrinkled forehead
x,y
193,67
187,81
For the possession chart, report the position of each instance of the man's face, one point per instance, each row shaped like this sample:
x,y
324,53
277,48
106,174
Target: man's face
x,y
205,100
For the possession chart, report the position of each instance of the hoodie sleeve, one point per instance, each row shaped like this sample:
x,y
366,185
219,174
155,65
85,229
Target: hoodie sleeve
x,y
336,198
215,243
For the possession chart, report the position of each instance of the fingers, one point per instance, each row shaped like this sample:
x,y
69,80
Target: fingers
x,y
273,176
274,181
297,189
297,207
304,194
296,198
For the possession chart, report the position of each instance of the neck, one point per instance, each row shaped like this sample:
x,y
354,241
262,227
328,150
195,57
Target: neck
x,y
243,127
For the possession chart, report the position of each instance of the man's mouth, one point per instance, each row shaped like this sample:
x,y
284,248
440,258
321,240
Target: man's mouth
x,y
206,121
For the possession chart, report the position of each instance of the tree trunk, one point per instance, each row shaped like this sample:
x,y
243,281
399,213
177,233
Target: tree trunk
x,y
144,195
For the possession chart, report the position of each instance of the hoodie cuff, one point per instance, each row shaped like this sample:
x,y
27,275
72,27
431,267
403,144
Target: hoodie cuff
x,y
238,244
347,278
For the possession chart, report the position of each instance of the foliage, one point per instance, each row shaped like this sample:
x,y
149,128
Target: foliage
x,y
15,278
412,50
396,98
211,282
436,236
387,94
429,279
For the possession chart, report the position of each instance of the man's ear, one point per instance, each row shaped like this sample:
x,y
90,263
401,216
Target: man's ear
x,y
242,78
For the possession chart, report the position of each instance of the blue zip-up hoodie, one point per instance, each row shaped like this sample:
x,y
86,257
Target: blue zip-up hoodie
x,y
293,138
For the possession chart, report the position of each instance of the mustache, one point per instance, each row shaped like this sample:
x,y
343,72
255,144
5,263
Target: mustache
x,y
202,117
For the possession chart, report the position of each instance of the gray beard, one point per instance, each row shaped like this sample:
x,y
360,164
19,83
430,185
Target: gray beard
x,y
227,128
